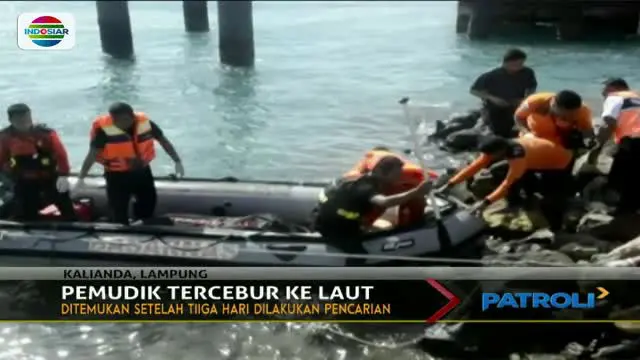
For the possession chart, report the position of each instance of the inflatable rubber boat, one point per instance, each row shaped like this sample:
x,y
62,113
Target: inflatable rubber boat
x,y
224,222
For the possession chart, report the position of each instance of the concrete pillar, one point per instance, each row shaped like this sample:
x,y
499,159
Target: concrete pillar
x,y
481,23
570,27
235,33
629,23
462,24
115,29
462,17
196,16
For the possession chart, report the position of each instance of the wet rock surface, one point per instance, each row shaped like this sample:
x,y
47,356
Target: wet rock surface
x,y
460,132
519,237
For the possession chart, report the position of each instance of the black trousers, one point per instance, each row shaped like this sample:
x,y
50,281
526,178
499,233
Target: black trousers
x,y
31,196
123,186
556,187
500,120
624,176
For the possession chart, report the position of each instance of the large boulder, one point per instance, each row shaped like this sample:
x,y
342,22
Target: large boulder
x,y
581,246
464,140
597,191
600,167
629,251
605,227
460,133
455,123
575,246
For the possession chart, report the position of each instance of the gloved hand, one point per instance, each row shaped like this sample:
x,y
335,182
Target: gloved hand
x,y
62,184
179,170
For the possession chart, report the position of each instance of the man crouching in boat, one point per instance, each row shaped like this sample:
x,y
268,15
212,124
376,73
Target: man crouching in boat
x,y
36,160
535,165
353,204
123,142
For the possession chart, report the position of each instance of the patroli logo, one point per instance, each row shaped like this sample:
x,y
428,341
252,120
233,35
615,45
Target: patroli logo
x,y
543,300
48,31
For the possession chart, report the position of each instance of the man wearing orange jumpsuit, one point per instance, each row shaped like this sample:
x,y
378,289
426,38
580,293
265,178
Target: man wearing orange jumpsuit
x,y
561,118
535,165
379,181
621,120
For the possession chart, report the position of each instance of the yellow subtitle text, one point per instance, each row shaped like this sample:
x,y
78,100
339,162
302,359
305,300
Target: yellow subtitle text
x,y
260,310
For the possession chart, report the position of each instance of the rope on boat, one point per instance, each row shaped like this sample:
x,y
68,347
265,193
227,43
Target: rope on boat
x,y
214,242
452,261
93,232
413,259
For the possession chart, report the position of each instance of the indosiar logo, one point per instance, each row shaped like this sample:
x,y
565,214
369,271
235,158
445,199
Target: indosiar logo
x,y
56,31
541,300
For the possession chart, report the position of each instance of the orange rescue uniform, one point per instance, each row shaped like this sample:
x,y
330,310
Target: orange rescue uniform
x,y
628,120
535,154
535,113
37,154
412,176
124,152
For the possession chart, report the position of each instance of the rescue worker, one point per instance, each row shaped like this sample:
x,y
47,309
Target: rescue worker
x,y
535,165
382,180
561,118
502,90
37,162
621,121
122,141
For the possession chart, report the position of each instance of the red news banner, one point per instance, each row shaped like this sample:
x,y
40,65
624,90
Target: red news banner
x,y
237,300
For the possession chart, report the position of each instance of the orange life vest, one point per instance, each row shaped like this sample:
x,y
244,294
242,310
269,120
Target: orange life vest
x,y
411,172
30,154
412,176
122,151
628,124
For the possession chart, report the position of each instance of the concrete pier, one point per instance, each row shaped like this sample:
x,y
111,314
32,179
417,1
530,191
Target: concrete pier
x,y
196,16
481,23
570,24
463,18
573,20
235,33
115,29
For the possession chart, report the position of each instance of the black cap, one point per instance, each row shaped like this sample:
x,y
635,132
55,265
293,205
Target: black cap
x,y
616,83
120,108
17,109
